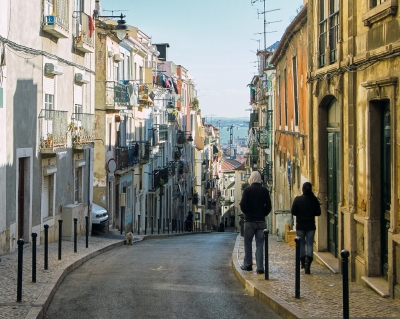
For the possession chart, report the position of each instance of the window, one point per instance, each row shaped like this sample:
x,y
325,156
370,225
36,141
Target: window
x,y
280,101
78,112
49,105
48,196
109,137
48,7
78,185
328,27
141,75
375,3
295,93
116,71
286,104
129,68
134,70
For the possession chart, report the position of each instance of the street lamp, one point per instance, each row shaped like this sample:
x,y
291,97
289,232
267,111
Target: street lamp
x,y
120,28
170,108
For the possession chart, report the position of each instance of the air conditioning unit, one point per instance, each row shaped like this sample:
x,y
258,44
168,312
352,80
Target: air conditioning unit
x,y
232,199
82,78
53,69
117,57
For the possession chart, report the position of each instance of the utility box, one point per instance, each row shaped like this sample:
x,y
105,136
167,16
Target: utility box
x,y
283,218
69,212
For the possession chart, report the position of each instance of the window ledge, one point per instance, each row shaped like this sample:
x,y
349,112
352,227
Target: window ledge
x,y
385,9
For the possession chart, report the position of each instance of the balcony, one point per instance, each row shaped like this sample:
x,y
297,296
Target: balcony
x,y
127,158
154,182
144,153
82,130
117,95
53,129
56,18
162,132
269,125
171,168
171,117
84,39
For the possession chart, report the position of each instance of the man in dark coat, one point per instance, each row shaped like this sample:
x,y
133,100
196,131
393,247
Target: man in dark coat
x,y
305,208
255,204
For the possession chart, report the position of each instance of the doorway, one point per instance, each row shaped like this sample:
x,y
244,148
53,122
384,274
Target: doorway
x,y
385,133
333,175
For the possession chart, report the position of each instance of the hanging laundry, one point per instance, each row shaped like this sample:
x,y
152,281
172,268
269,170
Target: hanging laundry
x,y
175,86
91,26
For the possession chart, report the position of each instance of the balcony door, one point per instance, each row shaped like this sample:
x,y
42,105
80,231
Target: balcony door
x,y
385,185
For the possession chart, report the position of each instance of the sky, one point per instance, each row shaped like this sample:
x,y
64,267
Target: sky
x,y
215,40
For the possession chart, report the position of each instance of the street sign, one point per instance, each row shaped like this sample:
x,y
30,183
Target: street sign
x,y
111,177
111,165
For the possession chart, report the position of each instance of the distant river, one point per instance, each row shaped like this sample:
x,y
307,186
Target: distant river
x,y
241,132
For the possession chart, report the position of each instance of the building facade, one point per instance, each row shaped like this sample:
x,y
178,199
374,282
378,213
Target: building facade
x,y
48,106
353,93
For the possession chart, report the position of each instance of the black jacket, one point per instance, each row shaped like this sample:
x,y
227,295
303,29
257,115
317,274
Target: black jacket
x,y
255,203
305,208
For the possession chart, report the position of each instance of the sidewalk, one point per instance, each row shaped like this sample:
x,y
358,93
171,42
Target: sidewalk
x,y
37,296
320,292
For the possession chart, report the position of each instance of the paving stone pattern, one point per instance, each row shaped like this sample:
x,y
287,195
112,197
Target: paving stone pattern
x,y
321,292
9,307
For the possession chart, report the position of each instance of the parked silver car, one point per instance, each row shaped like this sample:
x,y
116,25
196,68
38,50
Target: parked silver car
x,y
99,215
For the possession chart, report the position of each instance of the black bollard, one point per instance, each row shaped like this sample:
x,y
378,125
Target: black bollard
x,y
87,231
75,234
46,246
34,236
163,226
159,225
138,229
179,225
297,261
145,225
152,225
59,237
20,243
345,278
168,225
266,257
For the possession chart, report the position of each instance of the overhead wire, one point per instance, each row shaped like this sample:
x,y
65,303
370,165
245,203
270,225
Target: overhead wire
x,y
15,47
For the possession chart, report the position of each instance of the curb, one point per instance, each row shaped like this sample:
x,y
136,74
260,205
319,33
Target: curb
x,y
256,290
39,308
42,303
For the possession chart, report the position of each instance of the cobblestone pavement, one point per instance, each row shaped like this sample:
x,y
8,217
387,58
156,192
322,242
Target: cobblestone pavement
x,y
37,296
320,293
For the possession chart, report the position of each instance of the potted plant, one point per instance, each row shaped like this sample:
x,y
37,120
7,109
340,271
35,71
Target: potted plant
x,y
48,143
195,104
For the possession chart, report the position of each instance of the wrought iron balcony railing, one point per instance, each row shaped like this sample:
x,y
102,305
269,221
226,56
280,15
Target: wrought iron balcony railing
x,y
171,117
53,130
82,129
117,94
269,124
56,18
163,132
84,38
127,157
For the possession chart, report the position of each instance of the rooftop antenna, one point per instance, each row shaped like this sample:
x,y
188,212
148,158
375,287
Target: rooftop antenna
x,y
265,21
112,11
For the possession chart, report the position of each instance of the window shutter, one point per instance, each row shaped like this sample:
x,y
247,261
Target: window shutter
x,y
78,95
45,196
122,133
48,85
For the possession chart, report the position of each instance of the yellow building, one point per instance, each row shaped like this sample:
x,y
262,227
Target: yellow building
x,y
354,149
